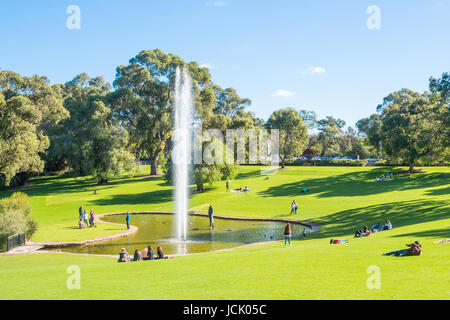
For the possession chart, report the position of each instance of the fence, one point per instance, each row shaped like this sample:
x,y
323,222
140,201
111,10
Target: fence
x,y
15,241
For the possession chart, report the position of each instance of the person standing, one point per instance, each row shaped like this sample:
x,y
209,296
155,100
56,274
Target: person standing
x,y
228,186
295,207
86,220
292,207
287,235
92,218
304,233
80,213
211,217
128,220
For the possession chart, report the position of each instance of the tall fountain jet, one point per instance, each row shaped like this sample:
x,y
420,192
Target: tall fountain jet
x,y
182,144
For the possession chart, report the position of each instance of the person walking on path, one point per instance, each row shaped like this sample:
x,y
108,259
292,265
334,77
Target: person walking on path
x,y
128,220
211,217
287,235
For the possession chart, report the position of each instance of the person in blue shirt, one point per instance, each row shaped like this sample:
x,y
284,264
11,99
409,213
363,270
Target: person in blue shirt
x,y
128,220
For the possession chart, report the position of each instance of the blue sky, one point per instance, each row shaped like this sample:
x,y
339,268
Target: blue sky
x,y
316,55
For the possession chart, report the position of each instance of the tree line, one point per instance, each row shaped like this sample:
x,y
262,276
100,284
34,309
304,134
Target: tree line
x,y
90,127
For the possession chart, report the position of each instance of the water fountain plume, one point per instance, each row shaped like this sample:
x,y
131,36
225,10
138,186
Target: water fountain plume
x,y
182,144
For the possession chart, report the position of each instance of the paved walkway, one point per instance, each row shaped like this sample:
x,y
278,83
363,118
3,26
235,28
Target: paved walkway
x,y
23,250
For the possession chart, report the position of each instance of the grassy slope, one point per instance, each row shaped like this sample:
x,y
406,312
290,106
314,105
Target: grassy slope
x,y
340,200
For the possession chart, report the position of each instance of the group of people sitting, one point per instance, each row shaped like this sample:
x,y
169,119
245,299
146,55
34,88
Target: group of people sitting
x,y
389,176
365,232
241,190
84,220
146,254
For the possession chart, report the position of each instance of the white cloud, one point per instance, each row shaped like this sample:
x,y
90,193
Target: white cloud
x,y
284,93
314,70
218,3
208,65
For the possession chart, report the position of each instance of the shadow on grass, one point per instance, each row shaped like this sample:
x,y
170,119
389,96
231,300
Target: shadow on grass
x,y
249,174
358,184
152,197
46,186
399,213
436,233
439,192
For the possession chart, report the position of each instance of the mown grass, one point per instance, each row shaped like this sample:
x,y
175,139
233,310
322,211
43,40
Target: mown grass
x,y
340,199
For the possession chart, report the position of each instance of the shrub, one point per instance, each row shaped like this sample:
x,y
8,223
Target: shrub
x,y
331,163
15,217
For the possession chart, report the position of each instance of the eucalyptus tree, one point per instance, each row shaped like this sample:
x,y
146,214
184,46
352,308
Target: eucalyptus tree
x,y
28,107
143,100
293,133
91,141
410,127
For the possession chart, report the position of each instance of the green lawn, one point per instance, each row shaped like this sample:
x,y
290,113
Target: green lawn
x,y
341,199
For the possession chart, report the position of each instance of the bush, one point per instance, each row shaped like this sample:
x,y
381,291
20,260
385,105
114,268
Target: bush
x,y
331,163
15,217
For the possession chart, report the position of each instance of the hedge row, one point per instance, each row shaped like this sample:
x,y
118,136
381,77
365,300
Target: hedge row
x,y
331,163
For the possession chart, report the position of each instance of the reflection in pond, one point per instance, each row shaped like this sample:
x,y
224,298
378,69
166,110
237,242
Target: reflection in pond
x,y
158,229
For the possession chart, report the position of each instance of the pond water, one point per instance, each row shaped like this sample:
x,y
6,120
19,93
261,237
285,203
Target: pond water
x,y
158,230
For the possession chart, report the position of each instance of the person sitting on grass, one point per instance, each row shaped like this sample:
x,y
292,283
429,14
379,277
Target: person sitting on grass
x,y
377,179
415,249
150,253
123,256
362,233
160,253
376,227
137,255
387,225
246,189
304,190
382,178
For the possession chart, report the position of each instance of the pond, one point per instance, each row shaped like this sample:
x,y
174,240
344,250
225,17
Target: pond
x,y
158,230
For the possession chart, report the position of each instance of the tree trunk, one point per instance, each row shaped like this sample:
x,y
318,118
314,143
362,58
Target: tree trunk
x,y
154,167
411,167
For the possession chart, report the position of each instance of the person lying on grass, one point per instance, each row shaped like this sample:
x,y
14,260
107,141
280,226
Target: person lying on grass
x,y
415,249
362,233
